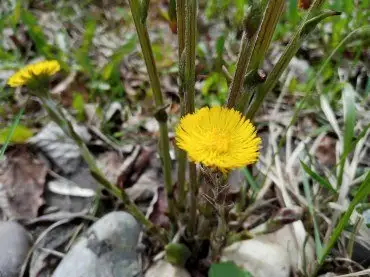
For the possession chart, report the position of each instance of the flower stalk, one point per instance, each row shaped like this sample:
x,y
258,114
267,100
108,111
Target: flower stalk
x,y
181,154
251,24
189,86
141,29
305,28
57,116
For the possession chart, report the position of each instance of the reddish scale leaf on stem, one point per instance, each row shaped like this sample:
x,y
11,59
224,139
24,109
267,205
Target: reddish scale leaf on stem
x,y
304,4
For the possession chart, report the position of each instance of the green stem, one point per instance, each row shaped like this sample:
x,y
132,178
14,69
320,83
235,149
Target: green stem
x,y
11,131
285,59
191,12
190,34
193,198
251,26
265,32
147,51
57,116
219,238
181,157
241,69
180,12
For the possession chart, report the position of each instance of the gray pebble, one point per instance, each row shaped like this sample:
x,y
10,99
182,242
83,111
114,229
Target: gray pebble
x,y
15,243
108,249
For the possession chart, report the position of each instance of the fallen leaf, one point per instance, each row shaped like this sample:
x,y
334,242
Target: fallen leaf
x,y
20,134
146,186
325,152
129,177
110,162
157,212
66,187
62,150
125,172
22,179
74,197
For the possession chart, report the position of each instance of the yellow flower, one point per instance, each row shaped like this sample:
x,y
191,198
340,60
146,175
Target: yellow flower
x,y
218,137
33,72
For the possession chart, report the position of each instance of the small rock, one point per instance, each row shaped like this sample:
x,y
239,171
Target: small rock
x,y
14,245
366,215
108,249
260,258
330,274
165,269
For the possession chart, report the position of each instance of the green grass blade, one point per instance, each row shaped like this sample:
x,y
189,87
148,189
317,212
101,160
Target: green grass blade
x,y
251,181
363,192
349,110
11,132
307,191
82,54
118,56
320,180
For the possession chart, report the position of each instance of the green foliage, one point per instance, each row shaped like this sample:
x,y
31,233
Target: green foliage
x,y
17,134
217,83
320,180
78,105
177,254
349,112
308,195
221,9
106,83
9,134
362,192
38,37
227,269
82,54
36,33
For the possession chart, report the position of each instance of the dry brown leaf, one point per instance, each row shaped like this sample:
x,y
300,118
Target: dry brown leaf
x,y
157,213
22,180
325,153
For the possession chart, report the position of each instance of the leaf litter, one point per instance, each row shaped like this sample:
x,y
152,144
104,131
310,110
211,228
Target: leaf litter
x,y
22,181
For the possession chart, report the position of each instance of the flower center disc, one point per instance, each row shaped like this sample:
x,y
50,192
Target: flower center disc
x,y
218,141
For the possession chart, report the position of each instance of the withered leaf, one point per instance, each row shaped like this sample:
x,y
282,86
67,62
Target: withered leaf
x,y
22,180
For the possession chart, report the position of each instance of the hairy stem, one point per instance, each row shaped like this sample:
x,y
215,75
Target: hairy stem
x,y
218,240
57,116
251,26
241,69
147,51
292,48
181,155
193,198
190,34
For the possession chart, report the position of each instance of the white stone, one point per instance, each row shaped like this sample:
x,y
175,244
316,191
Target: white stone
x,y
274,254
165,269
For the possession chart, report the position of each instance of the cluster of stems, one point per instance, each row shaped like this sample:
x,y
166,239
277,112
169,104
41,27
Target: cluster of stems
x,y
247,92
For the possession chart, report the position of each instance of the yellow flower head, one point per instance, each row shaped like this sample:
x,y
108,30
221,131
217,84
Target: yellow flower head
x,y
33,72
218,137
